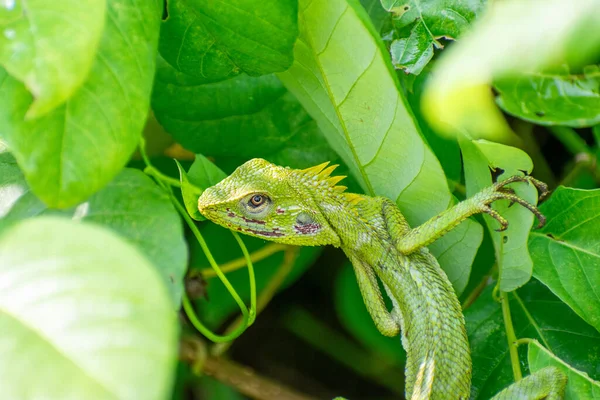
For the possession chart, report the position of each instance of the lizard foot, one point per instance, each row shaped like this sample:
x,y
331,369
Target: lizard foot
x,y
500,191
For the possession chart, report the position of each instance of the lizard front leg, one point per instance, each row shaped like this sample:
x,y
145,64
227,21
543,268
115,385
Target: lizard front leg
x,y
441,224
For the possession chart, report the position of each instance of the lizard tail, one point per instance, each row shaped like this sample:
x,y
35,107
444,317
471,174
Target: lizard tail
x,y
433,331
424,378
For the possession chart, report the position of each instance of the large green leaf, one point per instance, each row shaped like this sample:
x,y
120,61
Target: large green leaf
x,y
566,251
215,40
70,153
131,205
242,116
511,245
342,76
579,386
136,208
50,46
513,38
428,21
553,98
85,311
537,314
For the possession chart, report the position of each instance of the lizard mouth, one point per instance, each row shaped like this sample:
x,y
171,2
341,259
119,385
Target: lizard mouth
x,y
207,201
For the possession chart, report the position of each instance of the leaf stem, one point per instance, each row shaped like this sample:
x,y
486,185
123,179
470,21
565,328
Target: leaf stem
x,y
238,263
150,170
476,292
511,337
571,140
521,341
191,314
251,277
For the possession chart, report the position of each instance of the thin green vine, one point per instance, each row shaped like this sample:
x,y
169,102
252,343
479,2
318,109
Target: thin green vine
x,y
511,337
248,316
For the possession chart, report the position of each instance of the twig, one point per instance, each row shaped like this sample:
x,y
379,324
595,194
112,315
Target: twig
x,y
240,377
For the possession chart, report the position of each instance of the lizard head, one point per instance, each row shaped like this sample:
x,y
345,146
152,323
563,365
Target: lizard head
x,y
270,202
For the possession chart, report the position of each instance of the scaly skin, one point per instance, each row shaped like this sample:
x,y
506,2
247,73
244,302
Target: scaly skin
x,y
305,207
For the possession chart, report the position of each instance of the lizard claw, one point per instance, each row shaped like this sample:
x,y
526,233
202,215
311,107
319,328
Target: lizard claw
x,y
540,186
496,215
503,192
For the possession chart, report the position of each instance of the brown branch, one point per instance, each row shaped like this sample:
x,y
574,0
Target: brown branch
x,y
193,351
248,382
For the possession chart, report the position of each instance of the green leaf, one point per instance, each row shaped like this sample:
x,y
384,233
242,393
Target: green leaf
x,y
513,38
202,174
553,98
74,306
242,116
440,18
513,258
429,21
579,384
555,325
136,208
131,205
536,314
566,251
342,76
50,46
70,153
215,40
414,52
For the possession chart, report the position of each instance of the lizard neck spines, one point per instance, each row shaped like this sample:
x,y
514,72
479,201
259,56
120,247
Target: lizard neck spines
x,y
319,179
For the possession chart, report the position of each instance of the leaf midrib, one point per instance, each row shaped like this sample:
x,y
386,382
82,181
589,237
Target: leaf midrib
x,y
327,87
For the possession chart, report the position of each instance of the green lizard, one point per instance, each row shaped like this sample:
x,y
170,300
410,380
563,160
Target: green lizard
x,y
308,208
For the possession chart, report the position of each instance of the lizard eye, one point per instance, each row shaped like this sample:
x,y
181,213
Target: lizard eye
x,y
257,203
257,200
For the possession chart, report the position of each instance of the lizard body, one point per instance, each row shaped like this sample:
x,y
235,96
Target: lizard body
x,y
308,208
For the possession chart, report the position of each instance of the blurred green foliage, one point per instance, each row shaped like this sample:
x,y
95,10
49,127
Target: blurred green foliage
x,y
418,101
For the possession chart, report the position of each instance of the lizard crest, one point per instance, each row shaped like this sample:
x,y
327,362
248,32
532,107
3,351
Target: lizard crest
x,y
276,203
